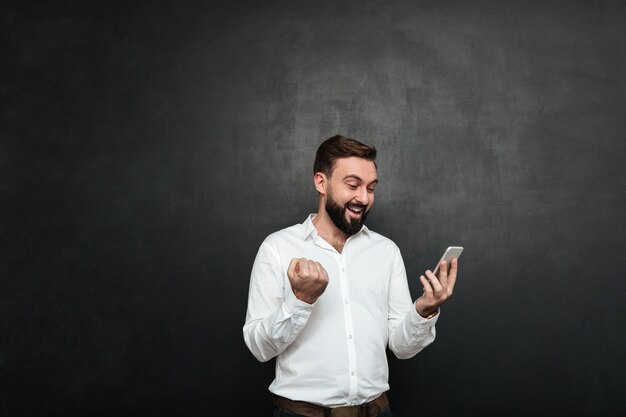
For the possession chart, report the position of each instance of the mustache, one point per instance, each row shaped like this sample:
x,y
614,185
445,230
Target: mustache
x,y
356,206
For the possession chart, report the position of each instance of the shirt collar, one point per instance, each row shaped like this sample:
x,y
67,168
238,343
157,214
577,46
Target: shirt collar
x,y
309,228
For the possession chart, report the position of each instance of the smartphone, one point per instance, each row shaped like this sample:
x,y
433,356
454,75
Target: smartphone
x,y
450,253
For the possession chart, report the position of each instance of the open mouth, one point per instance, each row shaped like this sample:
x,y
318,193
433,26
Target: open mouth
x,y
356,210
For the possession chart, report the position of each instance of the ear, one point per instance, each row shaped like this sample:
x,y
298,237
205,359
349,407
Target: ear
x,y
320,181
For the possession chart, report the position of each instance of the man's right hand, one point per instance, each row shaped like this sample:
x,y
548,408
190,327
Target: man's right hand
x,y
308,279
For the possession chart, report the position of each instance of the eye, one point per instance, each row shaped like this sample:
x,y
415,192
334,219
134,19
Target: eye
x,y
370,190
352,186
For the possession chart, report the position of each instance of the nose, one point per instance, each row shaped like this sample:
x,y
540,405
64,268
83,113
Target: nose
x,y
363,196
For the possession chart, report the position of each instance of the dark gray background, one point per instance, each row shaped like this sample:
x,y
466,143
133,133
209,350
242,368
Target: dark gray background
x,y
147,148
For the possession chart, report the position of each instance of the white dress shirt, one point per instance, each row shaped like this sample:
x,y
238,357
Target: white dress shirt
x,y
332,352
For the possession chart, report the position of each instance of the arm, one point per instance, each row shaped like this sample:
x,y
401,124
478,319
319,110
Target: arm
x,y
417,330
276,315
408,332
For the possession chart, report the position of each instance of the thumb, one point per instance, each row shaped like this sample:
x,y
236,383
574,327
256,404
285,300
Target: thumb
x,y
294,267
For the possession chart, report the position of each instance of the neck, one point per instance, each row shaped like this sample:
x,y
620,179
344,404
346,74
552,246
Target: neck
x,y
327,230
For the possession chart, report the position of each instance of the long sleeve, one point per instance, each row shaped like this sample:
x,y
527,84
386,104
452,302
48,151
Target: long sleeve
x,y
275,317
409,332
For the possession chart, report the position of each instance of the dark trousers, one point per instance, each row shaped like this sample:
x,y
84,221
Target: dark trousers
x,y
279,412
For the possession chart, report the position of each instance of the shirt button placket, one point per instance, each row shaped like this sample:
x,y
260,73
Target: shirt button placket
x,y
345,287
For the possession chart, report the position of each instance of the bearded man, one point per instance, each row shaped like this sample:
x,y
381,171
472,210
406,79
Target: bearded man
x,y
328,296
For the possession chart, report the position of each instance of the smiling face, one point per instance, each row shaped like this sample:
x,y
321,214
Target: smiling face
x,y
349,193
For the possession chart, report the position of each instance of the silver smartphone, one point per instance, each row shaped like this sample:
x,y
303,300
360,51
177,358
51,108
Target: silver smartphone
x,y
450,253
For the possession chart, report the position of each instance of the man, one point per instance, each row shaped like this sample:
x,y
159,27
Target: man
x,y
329,295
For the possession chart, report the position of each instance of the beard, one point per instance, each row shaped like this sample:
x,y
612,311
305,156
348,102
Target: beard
x,y
337,214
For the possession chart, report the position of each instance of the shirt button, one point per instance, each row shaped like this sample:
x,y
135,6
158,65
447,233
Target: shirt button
x,y
343,269
345,301
349,336
352,373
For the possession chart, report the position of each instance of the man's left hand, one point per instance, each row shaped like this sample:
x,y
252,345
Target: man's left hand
x,y
436,289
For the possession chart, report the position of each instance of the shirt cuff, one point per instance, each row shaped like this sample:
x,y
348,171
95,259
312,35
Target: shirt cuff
x,y
416,319
295,306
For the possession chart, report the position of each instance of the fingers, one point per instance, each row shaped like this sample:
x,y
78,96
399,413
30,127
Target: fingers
x,y
306,268
447,275
321,271
434,282
454,267
311,269
437,289
293,269
443,274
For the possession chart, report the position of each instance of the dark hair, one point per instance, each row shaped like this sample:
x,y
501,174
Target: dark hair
x,y
340,147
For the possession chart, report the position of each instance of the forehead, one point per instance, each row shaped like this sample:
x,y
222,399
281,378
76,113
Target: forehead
x,y
355,166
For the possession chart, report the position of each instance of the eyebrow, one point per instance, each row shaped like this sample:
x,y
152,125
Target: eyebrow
x,y
356,177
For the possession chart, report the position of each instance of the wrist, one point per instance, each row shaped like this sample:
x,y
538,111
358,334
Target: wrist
x,y
429,316
427,313
304,297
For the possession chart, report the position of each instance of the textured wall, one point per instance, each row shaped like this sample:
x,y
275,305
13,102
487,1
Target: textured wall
x,y
147,148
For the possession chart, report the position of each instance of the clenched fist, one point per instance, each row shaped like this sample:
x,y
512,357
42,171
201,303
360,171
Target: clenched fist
x,y
308,279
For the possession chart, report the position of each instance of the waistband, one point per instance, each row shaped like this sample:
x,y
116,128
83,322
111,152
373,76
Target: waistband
x,y
370,409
